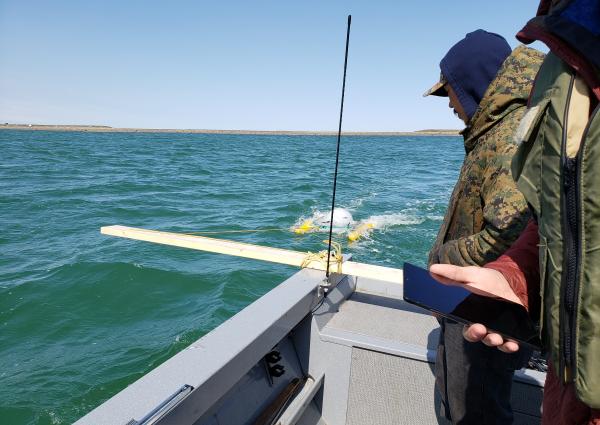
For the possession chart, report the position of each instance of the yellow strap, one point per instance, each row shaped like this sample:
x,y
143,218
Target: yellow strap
x,y
321,256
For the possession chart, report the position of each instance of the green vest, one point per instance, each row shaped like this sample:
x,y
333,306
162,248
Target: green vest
x,y
564,194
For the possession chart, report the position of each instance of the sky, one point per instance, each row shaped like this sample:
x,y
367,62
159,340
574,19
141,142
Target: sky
x,y
254,65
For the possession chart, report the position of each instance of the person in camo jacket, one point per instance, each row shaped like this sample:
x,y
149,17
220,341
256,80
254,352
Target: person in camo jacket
x,y
487,86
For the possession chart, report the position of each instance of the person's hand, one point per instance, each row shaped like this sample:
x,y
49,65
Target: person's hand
x,y
478,332
481,281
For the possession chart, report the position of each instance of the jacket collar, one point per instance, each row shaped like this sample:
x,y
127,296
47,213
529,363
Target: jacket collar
x,y
576,44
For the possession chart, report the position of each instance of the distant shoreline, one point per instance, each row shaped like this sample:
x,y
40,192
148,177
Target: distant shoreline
x,y
107,129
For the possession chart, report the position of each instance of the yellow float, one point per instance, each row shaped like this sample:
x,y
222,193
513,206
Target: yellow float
x,y
306,226
360,231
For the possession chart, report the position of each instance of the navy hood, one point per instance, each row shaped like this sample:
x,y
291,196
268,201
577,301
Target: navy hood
x,y
472,64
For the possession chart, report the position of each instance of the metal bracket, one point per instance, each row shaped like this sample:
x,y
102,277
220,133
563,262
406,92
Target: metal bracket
x,y
165,407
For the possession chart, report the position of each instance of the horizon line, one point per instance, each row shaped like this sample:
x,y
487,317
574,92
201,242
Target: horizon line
x,y
109,129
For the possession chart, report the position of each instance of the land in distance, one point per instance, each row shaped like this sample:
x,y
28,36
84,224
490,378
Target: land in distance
x,y
107,129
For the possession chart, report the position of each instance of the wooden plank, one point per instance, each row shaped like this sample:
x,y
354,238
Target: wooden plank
x,y
246,250
371,271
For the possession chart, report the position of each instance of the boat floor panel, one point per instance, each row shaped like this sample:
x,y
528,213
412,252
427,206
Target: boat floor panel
x,y
386,318
390,390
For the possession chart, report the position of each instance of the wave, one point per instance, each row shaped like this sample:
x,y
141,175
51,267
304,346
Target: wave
x,y
384,221
381,222
355,204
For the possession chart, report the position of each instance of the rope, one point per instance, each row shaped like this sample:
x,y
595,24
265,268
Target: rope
x,y
322,257
216,232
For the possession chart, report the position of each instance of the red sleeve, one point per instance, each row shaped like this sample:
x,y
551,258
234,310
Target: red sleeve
x,y
520,266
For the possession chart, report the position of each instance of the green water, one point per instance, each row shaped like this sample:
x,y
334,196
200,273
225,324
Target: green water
x,y
83,315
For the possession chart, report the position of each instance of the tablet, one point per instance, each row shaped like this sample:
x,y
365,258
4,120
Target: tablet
x,y
457,303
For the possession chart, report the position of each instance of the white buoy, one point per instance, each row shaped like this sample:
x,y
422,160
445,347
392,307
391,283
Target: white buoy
x,y
342,219
319,222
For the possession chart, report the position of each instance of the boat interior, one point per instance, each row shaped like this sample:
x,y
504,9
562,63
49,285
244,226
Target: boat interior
x,y
305,353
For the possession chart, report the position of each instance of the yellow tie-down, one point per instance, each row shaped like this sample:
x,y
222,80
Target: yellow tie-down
x,y
360,231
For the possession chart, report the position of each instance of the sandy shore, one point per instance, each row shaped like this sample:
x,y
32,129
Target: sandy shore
x,y
107,129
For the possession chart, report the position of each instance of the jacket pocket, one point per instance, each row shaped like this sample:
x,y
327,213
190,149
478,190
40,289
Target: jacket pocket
x,y
526,162
530,123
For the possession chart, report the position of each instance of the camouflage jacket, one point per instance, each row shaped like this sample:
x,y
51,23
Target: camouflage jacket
x,y
486,212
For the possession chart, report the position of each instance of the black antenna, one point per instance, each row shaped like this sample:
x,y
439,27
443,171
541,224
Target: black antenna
x,y
337,154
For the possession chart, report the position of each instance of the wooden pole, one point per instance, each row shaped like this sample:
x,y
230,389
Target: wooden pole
x,y
246,250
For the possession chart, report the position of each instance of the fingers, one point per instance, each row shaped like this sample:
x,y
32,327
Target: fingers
x,y
448,273
479,280
509,346
474,333
473,275
493,340
504,345
442,279
478,332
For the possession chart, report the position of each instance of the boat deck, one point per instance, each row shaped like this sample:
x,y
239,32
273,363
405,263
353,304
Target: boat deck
x,y
375,322
362,355
393,351
392,347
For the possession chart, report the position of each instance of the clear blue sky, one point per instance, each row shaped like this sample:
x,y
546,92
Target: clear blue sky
x,y
273,65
